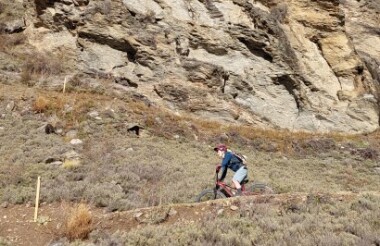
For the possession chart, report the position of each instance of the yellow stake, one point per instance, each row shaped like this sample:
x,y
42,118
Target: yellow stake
x,y
64,85
37,198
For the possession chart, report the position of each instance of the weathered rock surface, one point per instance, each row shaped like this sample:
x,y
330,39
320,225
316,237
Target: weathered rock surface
x,y
298,65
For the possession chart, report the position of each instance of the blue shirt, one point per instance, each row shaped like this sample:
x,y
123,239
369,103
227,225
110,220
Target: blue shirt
x,y
230,161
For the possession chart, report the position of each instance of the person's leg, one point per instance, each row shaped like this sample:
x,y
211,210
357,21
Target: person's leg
x,y
237,186
236,183
238,177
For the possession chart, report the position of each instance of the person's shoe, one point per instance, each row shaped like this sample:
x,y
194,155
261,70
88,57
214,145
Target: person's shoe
x,y
238,192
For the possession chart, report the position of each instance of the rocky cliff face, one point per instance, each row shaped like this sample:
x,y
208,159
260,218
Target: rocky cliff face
x,y
295,64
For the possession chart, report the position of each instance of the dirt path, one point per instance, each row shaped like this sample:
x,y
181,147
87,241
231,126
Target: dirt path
x,y
17,226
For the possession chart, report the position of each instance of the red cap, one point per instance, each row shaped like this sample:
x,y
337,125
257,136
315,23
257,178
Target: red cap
x,y
221,147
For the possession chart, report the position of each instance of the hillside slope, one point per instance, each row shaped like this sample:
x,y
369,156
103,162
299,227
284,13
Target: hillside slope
x,y
296,65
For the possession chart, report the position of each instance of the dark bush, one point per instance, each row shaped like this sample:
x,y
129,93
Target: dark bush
x,y
320,145
366,153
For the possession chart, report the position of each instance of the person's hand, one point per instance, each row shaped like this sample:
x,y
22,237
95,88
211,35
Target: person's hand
x,y
218,167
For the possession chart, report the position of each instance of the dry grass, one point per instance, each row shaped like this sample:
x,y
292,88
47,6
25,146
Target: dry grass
x,y
316,221
37,67
121,172
79,223
71,164
73,108
9,41
167,124
42,104
164,123
39,63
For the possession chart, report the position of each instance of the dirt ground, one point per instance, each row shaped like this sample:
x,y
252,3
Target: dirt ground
x,y
18,227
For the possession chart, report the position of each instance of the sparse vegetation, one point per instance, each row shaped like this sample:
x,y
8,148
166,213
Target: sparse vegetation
x,y
112,69
167,165
79,223
317,221
9,41
120,171
42,64
3,242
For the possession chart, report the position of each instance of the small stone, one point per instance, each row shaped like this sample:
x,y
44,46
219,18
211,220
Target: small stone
x,y
220,211
93,114
56,163
110,113
224,137
10,106
43,220
158,120
138,215
67,8
4,205
377,170
59,131
172,212
76,141
234,208
67,108
56,244
71,155
72,134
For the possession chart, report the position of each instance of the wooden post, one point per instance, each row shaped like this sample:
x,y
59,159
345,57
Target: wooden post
x,y
37,198
64,85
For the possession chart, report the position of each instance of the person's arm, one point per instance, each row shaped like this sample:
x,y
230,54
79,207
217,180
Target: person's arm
x,y
226,160
224,173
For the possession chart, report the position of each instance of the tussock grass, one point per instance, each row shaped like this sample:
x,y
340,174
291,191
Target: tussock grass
x,y
40,63
71,164
42,104
72,108
79,223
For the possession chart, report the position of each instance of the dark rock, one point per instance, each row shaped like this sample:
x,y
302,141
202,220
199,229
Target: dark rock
x,y
49,129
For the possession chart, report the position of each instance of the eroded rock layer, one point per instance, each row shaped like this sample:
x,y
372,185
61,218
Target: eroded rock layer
x,y
294,64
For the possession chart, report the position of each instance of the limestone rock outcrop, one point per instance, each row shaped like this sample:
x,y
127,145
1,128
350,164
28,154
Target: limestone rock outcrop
x,y
298,65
